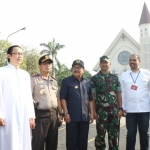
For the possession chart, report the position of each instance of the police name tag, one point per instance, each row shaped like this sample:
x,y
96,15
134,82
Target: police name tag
x,y
134,87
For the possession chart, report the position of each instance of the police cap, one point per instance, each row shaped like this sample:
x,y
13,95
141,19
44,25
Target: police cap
x,y
44,58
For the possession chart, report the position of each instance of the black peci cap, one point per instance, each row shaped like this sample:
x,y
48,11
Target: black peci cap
x,y
78,62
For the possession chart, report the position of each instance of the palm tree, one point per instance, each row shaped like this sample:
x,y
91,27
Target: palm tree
x,y
61,72
52,49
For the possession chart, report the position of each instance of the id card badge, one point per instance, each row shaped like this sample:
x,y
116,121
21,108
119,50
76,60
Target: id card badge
x,y
134,87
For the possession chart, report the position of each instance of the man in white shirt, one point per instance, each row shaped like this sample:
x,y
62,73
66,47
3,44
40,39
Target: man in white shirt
x,y
135,85
16,104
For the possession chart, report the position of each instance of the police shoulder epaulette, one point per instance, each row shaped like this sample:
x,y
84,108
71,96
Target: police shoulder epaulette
x,y
35,75
54,78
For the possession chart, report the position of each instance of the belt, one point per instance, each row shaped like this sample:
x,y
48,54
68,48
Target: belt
x,y
51,109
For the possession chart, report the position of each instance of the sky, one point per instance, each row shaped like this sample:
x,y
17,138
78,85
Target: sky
x,y
85,27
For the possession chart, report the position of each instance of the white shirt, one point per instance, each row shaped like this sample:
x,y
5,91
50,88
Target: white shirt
x,y
137,100
16,107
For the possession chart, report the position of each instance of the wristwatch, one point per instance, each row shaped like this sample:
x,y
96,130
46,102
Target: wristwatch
x,y
65,113
61,114
120,108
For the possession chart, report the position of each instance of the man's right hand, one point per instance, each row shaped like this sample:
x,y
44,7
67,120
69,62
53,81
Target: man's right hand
x,y
2,122
67,118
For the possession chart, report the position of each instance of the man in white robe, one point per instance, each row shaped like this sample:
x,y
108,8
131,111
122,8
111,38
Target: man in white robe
x,y
16,105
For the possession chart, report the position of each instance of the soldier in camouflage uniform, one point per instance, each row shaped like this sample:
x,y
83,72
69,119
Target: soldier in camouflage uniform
x,y
108,105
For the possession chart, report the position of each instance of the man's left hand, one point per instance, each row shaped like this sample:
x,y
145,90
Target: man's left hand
x,y
60,121
32,123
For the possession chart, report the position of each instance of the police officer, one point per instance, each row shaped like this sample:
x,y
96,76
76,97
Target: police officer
x,y
107,105
76,99
46,99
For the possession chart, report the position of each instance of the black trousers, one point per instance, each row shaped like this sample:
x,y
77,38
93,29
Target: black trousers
x,y
46,130
140,120
77,135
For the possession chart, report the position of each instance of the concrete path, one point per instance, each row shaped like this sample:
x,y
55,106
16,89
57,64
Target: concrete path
x,y
92,133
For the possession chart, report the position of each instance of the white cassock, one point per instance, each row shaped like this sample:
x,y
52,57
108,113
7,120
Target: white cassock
x,y
16,106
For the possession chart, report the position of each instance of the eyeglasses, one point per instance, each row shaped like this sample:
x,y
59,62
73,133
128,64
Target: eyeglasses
x,y
17,53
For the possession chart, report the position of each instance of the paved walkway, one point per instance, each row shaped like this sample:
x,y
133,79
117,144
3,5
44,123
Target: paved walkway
x,y
92,133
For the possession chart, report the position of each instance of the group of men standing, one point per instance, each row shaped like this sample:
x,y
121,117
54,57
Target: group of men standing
x,y
79,101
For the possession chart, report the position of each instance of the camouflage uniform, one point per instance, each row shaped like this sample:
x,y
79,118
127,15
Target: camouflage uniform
x,y
104,86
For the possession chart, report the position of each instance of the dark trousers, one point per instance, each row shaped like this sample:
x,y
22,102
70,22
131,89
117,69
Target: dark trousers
x,y
77,135
46,130
140,120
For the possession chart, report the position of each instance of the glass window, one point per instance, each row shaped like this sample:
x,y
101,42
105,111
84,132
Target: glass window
x,y
123,58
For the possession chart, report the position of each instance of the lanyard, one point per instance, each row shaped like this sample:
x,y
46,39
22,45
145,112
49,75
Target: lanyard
x,y
134,81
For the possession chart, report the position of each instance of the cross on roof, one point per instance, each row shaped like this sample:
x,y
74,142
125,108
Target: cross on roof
x,y
123,36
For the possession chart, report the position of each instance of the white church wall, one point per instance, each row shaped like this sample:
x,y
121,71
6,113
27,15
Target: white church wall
x,y
145,52
121,46
124,44
122,39
144,30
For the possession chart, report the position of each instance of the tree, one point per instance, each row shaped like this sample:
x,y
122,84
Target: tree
x,y
4,45
61,72
52,49
30,60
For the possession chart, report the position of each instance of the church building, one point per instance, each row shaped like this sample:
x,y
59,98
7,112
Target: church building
x,y
124,45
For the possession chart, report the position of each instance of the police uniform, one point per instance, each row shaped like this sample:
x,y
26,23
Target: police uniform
x,y
45,94
104,87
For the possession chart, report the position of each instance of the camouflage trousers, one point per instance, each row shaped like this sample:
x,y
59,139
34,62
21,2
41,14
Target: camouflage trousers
x,y
107,121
